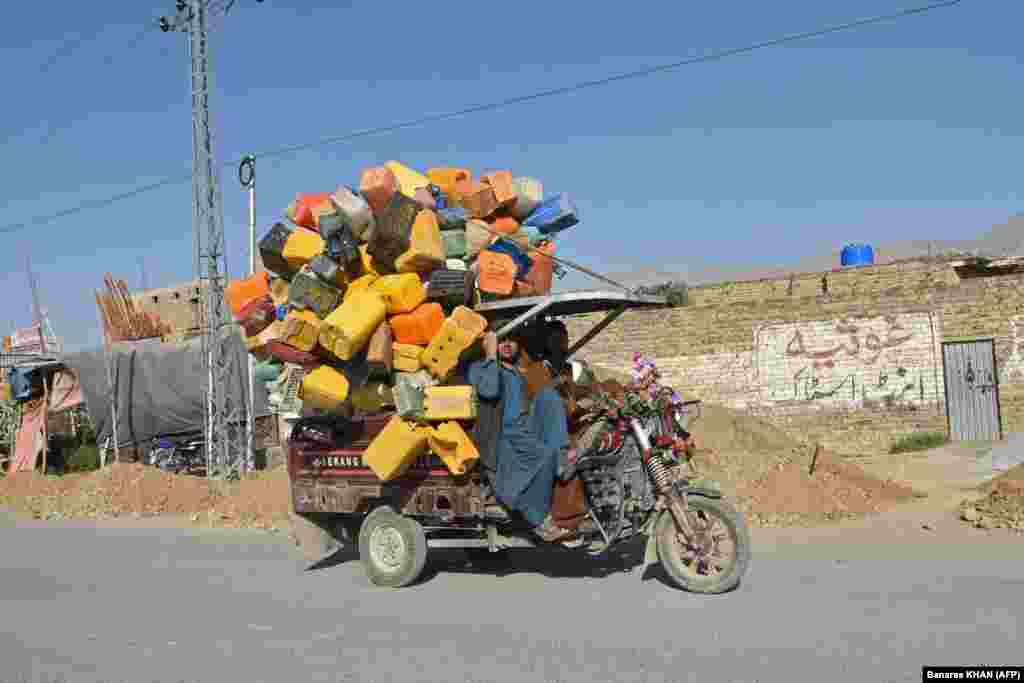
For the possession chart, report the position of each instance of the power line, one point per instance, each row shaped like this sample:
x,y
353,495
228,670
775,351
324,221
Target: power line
x,y
521,99
66,50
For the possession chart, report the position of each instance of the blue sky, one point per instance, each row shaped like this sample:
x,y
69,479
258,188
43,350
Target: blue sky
x,y
906,130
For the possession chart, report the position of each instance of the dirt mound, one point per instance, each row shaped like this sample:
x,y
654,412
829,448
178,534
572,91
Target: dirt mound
x,y
722,429
261,500
1003,505
790,495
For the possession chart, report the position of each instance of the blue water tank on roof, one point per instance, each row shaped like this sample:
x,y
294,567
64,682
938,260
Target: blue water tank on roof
x,y
857,255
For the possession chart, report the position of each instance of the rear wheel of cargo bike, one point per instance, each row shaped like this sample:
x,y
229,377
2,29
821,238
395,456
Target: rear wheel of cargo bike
x,y
714,561
392,548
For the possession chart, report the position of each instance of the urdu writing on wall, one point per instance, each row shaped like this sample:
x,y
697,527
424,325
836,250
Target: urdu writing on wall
x,y
851,361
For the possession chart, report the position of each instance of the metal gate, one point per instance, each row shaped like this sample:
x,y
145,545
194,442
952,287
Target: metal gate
x,y
972,390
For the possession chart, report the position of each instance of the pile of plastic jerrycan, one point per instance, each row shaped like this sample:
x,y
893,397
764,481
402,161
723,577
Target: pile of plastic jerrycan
x,y
367,307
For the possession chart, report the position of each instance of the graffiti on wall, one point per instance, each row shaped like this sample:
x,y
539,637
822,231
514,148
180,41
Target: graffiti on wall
x,y
893,359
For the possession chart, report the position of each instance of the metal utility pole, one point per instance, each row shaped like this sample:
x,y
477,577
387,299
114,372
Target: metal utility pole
x,y
227,423
247,176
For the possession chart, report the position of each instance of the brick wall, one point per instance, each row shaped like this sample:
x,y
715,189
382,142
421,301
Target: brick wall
x,y
852,357
179,306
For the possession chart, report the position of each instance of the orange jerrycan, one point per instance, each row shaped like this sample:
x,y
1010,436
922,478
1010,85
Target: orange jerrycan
x,y
497,272
447,178
239,293
442,354
418,326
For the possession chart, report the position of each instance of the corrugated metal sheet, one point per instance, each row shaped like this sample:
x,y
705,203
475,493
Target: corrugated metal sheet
x,y
972,391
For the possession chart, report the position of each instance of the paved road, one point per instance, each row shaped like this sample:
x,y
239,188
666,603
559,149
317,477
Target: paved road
x,y
130,604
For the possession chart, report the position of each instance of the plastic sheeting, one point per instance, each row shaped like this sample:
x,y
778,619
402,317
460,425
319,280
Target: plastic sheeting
x,y
160,388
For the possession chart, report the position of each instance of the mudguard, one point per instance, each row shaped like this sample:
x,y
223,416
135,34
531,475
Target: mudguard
x,y
651,550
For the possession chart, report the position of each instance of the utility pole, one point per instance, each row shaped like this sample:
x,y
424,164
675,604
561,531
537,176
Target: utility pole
x,y
227,422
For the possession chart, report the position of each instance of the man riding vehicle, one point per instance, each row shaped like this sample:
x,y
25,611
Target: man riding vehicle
x,y
526,452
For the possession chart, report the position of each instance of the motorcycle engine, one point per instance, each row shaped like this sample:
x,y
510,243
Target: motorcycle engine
x,y
618,489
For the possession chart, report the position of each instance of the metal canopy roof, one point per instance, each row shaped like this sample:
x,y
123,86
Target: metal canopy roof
x,y
570,303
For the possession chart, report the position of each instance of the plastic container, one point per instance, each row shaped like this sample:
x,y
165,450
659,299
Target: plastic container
x,y
372,397
521,238
380,351
556,213
401,293
324,388
478,199
355,210
240,293
418,326
307,291
447,178
444,351
271,249
540,274
407,357
452,445
425,199
469,321
501,183
454,242
378,185
395,448
327,218
343,248
519,257
497,272
360,284
408,393
301,330
300,211
529,194
533,234
426,250
329,271
267,371
257,344
449,403
257,315
393,230
505,225
452,218
347,330
301,247
478,236
279,290
448,287
857,255
286,353
408,180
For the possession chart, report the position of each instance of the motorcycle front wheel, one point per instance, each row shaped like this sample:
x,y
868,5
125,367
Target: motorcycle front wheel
x,y
716,559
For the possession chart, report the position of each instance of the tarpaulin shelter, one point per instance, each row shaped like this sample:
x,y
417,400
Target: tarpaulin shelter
x,y
159,387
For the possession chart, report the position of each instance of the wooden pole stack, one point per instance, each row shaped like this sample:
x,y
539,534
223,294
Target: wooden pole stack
x,y
121,320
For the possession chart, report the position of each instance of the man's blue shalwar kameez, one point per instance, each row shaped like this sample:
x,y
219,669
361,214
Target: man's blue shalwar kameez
x,y
530,442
